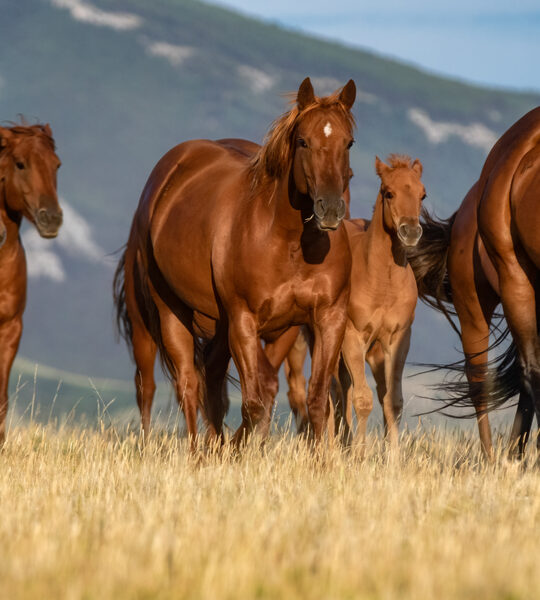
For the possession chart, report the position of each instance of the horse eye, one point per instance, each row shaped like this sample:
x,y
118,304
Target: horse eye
x,y
302,143
349,145
388,195
423,197
19,165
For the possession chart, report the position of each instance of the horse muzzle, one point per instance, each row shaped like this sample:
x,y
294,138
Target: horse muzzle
x,y
409,234
329,213
48,222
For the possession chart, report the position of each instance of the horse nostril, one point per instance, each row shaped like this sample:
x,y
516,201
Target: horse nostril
x,y
43,217
419,231
320,207
56,218
49,219
404,230
342,209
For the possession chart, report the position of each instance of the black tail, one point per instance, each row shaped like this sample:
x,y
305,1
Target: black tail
x,y
501,381
428,260
124,328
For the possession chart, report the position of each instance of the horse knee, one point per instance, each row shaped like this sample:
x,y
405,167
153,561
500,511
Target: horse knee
x,y
363,404
253,410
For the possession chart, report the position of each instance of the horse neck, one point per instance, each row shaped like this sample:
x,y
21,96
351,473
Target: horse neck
x,y
11,219
382,244
286,205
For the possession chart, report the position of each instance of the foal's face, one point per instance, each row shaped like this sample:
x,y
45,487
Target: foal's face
x,y
402,193
29,166
321,167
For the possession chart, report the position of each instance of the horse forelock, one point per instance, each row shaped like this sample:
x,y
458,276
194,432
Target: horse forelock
x,y
276,153
399,161
42,131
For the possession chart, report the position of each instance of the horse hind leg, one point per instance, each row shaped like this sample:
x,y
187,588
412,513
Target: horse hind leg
x,y
144,352
216,362
294,372
179,354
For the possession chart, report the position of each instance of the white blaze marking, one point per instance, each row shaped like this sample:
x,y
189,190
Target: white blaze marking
x,y
327,129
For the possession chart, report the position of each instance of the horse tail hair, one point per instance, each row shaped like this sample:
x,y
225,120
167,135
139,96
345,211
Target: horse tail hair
x,y
499,380
429,262
124,327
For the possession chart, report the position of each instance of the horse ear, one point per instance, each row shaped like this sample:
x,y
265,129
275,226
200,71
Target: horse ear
x,y
348,94
5,135
47,129
380,167
306,95
417,167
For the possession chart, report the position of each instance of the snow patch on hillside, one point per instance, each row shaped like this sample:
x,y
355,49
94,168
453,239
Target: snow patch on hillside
x,y
176,55
44,257
474,134
88,13
258,80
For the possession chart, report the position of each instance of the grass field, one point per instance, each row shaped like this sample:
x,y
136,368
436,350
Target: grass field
x,y
87,514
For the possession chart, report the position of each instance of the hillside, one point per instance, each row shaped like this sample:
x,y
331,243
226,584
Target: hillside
x,y
121,82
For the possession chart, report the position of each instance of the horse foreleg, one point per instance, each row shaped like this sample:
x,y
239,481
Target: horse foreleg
x,y
341,385
328,330
10,335
359,393
395,356
258,379
294,372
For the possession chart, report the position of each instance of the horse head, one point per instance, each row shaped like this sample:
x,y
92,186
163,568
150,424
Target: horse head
x,y
401,193
28,166
322,138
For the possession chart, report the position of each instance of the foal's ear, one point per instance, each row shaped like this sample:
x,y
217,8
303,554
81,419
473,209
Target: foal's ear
x,y
5,135
380,167
417,167
47,129
348,94
306,95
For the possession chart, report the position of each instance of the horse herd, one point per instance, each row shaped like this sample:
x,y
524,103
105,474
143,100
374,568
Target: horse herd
x,y
235,244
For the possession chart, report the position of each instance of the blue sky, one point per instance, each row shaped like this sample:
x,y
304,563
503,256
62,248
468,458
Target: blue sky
x,y
490,42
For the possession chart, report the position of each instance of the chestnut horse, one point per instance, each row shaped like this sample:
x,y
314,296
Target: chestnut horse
x,y
28,166
464,260
241,248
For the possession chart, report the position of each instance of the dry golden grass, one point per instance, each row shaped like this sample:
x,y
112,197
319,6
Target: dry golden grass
x,y
86,514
